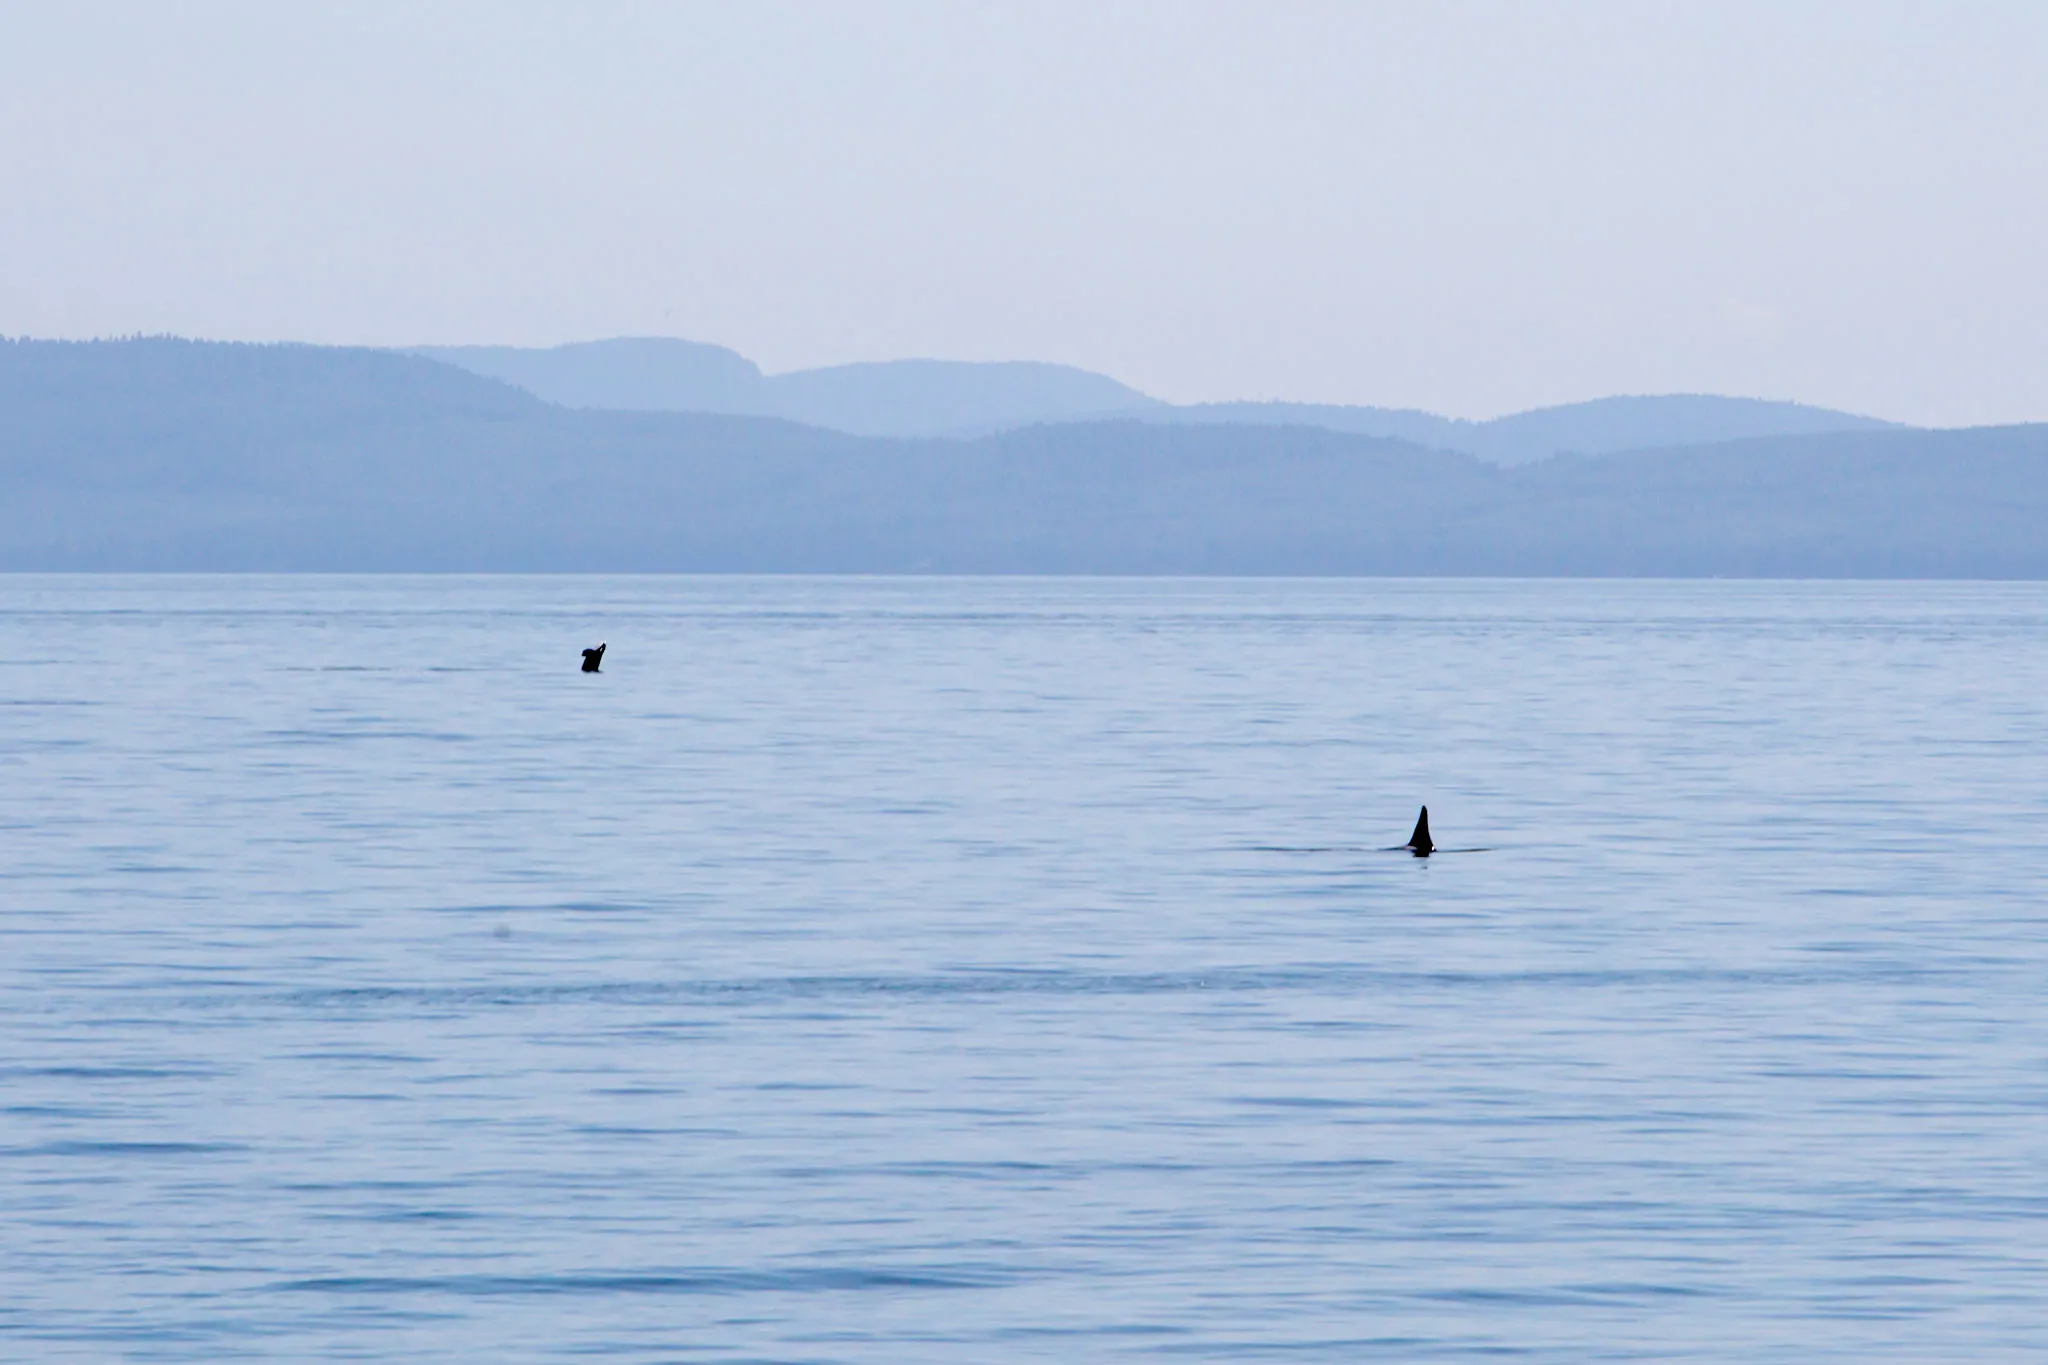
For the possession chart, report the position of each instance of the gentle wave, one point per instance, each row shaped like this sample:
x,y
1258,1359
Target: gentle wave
x,y
826,1279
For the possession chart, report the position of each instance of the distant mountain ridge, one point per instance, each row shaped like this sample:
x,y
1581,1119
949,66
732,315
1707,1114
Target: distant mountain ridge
x,y
193,456
881,398
1601,426
961,398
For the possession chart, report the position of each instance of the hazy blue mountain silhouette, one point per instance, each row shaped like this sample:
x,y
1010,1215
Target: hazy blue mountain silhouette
x,y
632,374
886,398
1606,425
944,397
1601,426
1396,424
953,398
198,456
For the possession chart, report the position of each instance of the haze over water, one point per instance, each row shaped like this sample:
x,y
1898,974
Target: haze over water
x,y
926,970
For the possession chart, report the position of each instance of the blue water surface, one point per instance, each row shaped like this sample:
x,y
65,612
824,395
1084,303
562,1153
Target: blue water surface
x,y
926,970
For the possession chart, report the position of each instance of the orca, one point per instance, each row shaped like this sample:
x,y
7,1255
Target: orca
x,y
592,658
1419,843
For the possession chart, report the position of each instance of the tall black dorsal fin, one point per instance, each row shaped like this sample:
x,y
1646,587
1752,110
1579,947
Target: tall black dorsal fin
x,y
1420,841
592,658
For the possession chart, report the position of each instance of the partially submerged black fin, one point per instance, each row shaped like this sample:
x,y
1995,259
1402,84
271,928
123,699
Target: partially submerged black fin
x,y
1419,842
592,658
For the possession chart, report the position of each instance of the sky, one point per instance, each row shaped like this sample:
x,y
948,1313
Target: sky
x,y
1468,207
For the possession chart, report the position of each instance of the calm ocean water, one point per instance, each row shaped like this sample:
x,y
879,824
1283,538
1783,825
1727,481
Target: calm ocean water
x,y
1003,970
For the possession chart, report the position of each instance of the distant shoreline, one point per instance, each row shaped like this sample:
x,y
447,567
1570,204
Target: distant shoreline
x,y
174,456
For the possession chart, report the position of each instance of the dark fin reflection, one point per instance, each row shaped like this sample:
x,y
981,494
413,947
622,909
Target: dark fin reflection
x,y
592,658
1419,843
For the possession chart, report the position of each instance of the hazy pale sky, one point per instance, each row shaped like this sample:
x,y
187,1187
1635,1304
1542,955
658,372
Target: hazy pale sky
x,y
1467,207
